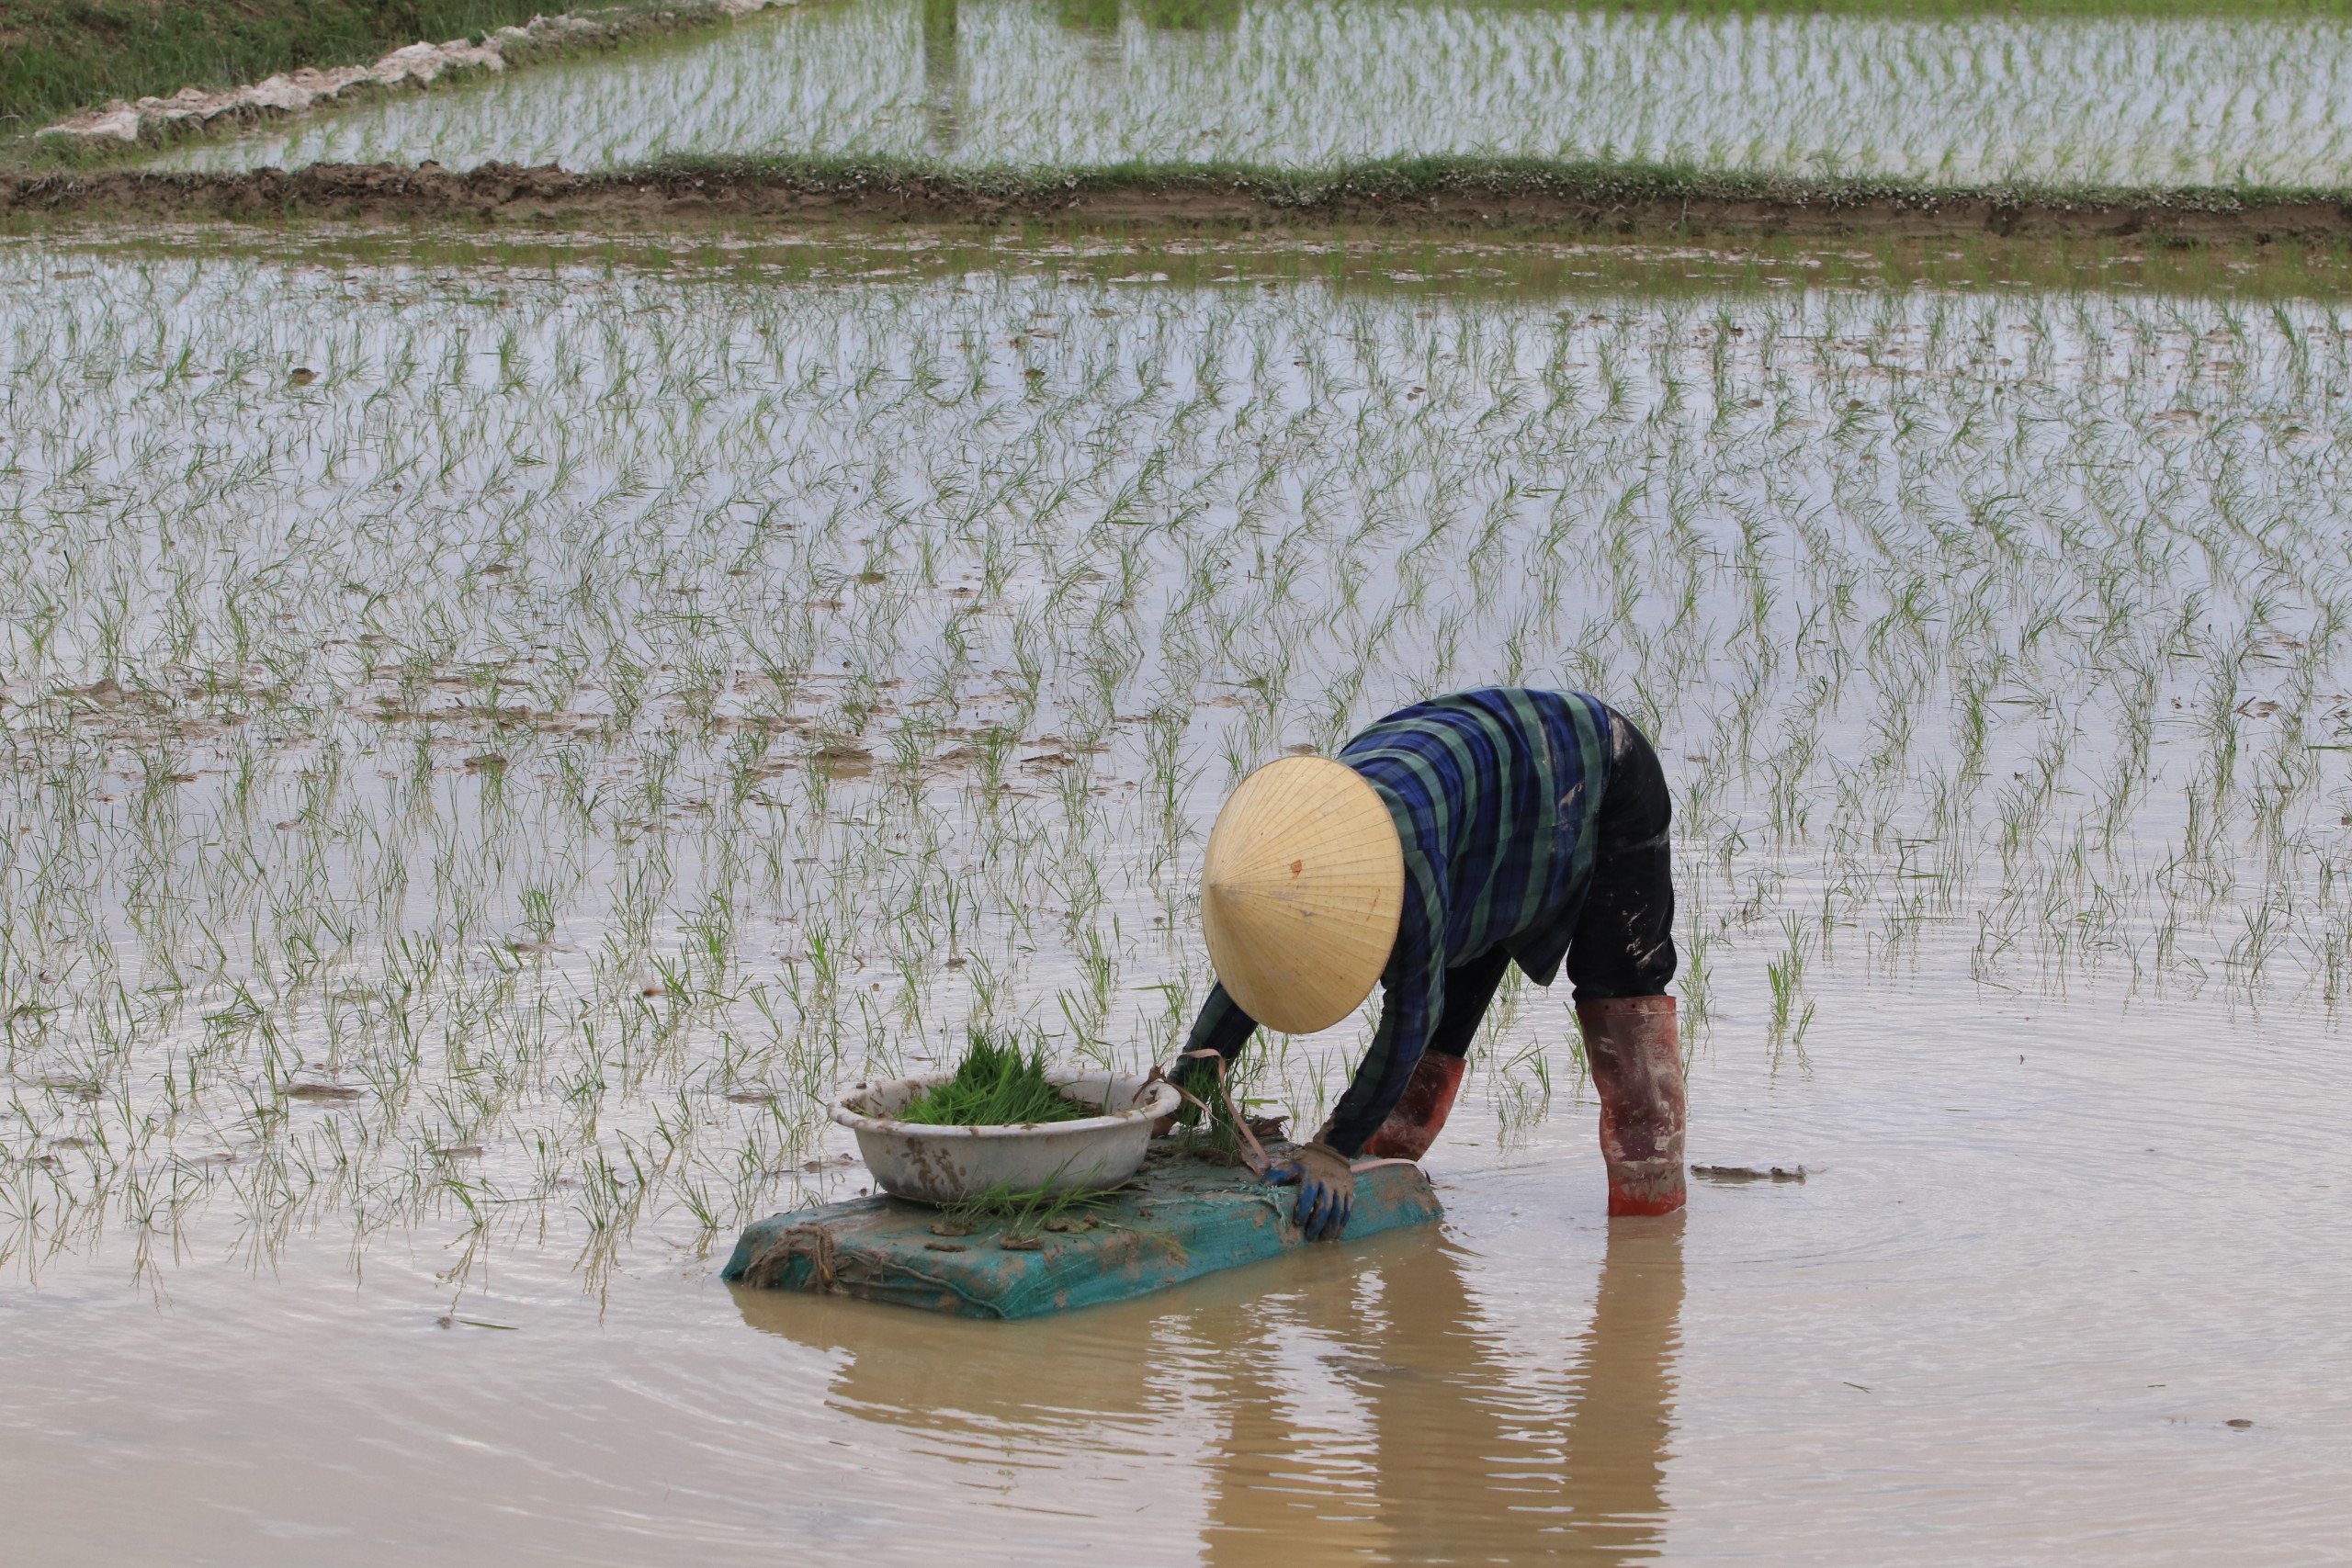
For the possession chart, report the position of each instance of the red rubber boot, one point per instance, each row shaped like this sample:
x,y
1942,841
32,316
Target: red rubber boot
x,y
1635,1055
1413,1125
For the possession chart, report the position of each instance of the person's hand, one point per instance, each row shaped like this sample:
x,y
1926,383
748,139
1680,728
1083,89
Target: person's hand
x,y
1327,1188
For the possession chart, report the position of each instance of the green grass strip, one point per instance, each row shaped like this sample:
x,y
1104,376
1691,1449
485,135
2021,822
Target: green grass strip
x,y
1411,179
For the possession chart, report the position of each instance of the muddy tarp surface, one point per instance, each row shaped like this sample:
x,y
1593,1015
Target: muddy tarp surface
x,y
1180,1219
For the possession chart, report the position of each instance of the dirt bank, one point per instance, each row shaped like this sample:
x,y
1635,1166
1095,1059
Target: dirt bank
x,y
1457,199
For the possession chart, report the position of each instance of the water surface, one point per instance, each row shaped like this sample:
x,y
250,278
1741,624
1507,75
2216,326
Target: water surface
x,y
1964,99
2009,1322
493,741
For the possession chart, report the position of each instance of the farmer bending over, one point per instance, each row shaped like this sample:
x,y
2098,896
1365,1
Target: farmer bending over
x,y
1450,838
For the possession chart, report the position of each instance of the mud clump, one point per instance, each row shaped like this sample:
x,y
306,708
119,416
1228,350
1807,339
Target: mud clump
x,y
1735,1175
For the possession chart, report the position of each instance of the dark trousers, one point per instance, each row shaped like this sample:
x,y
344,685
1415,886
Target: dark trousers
x,y
1624,944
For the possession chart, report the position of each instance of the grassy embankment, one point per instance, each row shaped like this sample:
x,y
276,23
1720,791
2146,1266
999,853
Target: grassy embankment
x,y
61,55
1455,194
1420,180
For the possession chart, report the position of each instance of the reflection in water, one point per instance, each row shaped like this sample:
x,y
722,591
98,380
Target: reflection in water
x,y
1475,1454
943,78
946,73
1188,15
1374,1413
1621,1422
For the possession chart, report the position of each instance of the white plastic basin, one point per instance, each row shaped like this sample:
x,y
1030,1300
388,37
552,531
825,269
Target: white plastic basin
x,y
947,1165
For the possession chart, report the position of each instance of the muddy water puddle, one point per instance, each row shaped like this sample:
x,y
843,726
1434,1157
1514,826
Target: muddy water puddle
x,y
2016,1294
2231,98
490,743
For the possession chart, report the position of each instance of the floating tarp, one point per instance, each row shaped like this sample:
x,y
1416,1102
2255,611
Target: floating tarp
x,y
1180,1218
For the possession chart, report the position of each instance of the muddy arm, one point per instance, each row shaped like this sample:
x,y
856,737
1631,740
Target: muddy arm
x,y
1411,1001
1222,1027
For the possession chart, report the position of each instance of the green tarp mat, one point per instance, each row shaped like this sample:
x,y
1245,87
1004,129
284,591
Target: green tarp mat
x,y
1180,1218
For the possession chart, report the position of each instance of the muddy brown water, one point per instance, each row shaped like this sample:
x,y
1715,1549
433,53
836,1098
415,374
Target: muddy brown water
x,y
2009,1316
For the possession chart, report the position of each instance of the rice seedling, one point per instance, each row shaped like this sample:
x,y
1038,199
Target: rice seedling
x,y
996,1084
1022,1213
609,706
1948,93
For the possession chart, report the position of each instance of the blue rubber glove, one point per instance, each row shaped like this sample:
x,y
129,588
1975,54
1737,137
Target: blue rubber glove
x,y
1327,1188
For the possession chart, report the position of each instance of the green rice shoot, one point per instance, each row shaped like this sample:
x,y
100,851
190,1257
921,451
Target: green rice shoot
x,y
996,1085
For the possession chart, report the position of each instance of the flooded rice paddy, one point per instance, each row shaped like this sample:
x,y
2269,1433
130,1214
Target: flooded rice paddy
x,y
492,740
2226,100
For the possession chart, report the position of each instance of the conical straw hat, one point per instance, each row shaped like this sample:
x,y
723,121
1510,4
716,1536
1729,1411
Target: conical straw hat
x,y
1301,892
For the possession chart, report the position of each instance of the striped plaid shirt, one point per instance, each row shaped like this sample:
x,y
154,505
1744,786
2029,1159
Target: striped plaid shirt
x,y
1495,792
